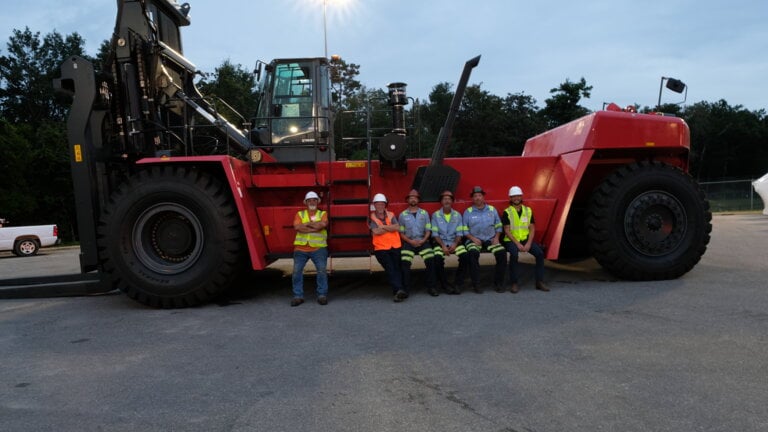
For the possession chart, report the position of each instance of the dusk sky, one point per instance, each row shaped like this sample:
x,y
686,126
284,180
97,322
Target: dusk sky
x,y
622,48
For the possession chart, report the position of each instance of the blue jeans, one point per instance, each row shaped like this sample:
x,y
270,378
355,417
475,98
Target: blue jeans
x,y
537,253
320,259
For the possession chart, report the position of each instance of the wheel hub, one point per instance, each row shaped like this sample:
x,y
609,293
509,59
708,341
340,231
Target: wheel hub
x,y
168,238
655,223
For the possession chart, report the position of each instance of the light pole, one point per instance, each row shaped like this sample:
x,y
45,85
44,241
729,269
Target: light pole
x,y
325,27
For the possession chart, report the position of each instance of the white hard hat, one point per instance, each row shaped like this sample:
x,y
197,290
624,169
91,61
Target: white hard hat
x,y
379,197
515,190
311,194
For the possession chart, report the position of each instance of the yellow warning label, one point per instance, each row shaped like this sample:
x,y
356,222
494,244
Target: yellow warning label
x,y
355,165
650,144
78,153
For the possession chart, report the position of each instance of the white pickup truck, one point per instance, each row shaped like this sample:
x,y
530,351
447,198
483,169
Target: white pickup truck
x,y
27,240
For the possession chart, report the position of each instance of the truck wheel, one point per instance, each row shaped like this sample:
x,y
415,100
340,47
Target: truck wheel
x,y
170,237
26,247
648,221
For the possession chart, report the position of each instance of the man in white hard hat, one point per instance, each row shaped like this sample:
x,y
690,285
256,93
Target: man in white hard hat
x,y
385,232
519,232
311,243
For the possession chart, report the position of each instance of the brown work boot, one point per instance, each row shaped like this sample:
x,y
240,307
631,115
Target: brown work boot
x,y
541,286
296,301
477,289
514,288
322,300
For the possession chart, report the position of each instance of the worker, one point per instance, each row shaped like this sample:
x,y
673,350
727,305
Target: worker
x,y
482,232
447,232
519,232
310,244
415,229
385,232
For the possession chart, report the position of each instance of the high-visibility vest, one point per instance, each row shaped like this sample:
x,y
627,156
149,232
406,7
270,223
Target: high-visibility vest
x,y
386,241
317,239
519,224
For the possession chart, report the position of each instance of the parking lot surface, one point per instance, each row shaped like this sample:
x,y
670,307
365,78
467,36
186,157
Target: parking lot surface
x,y
593,354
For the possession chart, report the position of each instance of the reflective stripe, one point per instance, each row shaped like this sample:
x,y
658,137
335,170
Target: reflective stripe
x,y
414,225
438,251
482,223
314,239
389,240
519,229
495,248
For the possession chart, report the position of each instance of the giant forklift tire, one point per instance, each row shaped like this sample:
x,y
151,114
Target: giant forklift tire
x,y
648,221
26,247
170,237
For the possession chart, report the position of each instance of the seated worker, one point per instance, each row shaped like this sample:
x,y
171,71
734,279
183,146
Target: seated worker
x,y
481,233
519,231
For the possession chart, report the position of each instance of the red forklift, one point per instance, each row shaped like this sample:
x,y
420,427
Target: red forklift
x,y
172,197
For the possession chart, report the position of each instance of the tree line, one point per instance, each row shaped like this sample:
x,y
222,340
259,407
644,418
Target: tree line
x,y
727,141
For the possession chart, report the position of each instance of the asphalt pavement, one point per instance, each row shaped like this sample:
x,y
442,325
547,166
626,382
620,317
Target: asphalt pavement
x,y
593,354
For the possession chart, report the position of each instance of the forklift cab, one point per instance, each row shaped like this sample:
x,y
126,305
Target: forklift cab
x,y
295,120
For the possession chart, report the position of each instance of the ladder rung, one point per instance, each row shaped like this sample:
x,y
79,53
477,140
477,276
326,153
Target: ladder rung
x,y
351,201
351,181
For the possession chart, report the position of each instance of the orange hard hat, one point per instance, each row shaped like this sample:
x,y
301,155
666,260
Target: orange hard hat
x,y
413,192
446,193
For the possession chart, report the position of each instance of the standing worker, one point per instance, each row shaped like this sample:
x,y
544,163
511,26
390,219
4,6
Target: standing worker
x,y
447,232
519,232
386,244
483,228
415,229
311,243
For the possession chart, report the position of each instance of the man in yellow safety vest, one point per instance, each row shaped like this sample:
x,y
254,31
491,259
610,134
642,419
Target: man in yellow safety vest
x,y
519,231
311,243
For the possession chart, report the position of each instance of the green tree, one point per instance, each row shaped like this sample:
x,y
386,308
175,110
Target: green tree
x,y
26,73
522,120
564,106
33,146
726,141
344,79
234,85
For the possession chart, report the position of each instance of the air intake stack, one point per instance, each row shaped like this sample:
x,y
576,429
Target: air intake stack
x,y
392,146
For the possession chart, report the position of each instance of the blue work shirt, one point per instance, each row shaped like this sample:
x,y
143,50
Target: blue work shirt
x,y
482,223
449,229
414,225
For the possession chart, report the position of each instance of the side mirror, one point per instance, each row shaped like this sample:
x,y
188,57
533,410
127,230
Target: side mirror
x,y
675,85
257,71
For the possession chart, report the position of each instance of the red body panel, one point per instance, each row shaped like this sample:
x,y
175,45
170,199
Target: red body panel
x,y
550,172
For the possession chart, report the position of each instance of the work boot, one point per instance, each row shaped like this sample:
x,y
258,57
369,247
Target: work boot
x,y
541,286
514,288
477,289
322,300
498,288
448,287
400,296
433,292
457,288
296,301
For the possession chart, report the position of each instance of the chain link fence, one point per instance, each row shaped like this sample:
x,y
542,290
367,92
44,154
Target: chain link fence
x,y
732,195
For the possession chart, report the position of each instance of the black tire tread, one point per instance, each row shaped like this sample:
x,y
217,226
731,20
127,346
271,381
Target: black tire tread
x,y
227,217
601,229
